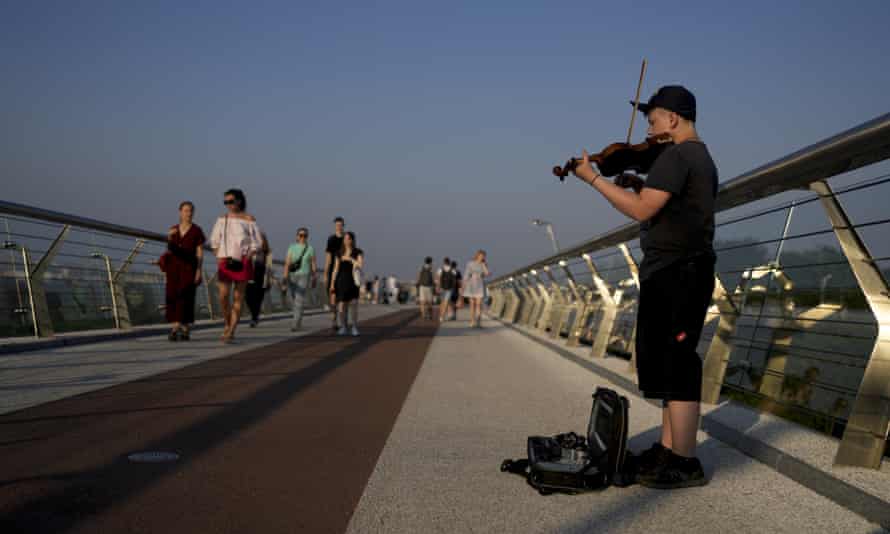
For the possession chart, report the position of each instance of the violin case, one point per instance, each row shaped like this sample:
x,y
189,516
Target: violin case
x,y
570,463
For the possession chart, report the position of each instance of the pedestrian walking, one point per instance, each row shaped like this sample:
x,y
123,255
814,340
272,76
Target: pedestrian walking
x,y
377,289
300,274
447,283
474,286
457,301
346,284
392,290
258,285
182,264
235,241
425,284
334,244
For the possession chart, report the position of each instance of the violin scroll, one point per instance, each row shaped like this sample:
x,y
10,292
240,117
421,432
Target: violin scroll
x,y
569,166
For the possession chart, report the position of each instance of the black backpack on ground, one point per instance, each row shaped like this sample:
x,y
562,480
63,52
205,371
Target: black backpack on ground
x,y
569,463
448,280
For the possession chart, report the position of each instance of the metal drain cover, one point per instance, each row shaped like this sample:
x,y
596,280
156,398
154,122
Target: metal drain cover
x,y
153,457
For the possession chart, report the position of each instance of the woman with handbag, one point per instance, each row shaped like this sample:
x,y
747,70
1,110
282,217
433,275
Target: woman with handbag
x,y
182,264
300,273
235,241
346,281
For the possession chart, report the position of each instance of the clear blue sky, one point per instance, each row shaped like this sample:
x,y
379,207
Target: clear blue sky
x,y
431,126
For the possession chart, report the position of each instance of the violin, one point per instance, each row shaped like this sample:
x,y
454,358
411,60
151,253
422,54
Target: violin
x,y
618,158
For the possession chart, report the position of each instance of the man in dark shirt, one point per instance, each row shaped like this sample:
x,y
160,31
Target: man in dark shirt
x,y
676,208
332,250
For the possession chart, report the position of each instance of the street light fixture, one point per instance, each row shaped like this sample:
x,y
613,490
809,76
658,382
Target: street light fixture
x,y
549,227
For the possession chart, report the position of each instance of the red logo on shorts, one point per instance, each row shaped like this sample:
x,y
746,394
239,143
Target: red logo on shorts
x,y
681,336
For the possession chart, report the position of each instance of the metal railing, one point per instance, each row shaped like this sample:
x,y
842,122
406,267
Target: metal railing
x,y
799,320
64,273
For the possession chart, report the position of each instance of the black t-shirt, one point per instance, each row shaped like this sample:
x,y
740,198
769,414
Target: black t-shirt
x,y
684,227
334,245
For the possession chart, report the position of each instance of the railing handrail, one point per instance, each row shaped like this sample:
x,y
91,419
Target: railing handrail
x,y
857,147
40,214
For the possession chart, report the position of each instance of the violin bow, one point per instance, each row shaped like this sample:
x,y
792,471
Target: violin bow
x,y
636,101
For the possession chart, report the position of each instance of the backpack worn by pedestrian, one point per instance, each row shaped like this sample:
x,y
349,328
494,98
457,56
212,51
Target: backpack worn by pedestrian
x,y
569,463
448,280
426,277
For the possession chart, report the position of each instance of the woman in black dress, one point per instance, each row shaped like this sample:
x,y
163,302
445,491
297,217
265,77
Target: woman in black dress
x,y
345,283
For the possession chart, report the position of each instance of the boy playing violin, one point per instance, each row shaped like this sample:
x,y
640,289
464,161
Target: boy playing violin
x,y
675,206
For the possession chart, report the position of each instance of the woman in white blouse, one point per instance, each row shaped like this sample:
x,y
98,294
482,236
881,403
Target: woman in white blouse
x,y
235,241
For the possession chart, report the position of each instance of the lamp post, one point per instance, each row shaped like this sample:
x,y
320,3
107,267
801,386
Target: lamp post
x,y
549,227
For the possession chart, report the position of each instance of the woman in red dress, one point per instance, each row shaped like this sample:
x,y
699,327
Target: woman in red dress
x,y
182,263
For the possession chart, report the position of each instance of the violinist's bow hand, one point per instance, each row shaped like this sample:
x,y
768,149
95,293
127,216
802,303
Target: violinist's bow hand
x,y
630,181
583,169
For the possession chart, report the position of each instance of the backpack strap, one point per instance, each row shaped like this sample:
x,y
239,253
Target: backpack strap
x,y
517,467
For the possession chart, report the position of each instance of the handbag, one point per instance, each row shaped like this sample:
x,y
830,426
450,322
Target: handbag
x,y
232,264
164,260
357,276
294,267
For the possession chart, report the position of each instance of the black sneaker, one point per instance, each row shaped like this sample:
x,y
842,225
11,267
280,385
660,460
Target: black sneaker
x,y
677,472
652,458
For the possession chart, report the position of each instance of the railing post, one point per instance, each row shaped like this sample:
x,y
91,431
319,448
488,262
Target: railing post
x,y
714,366
495,293
573,285
774,371
40,327
540,318
498,300
635,275
865,437
207,282
558,304
512,310
777,361
574,304
532,297
115,317
577,327
118,294
42,322
609,307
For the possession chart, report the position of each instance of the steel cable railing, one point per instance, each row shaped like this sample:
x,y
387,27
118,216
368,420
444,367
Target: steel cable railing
x,y
795,324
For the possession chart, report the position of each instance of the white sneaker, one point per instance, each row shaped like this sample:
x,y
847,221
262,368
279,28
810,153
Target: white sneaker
x,y
342,331
354,331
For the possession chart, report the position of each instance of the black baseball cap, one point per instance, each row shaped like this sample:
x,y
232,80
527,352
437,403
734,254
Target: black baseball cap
x,y
674,98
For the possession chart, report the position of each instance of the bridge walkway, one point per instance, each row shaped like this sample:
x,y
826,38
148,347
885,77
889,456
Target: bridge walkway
x,y
400,430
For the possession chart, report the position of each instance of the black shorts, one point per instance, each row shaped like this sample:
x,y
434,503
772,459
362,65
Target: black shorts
x,y
670,317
